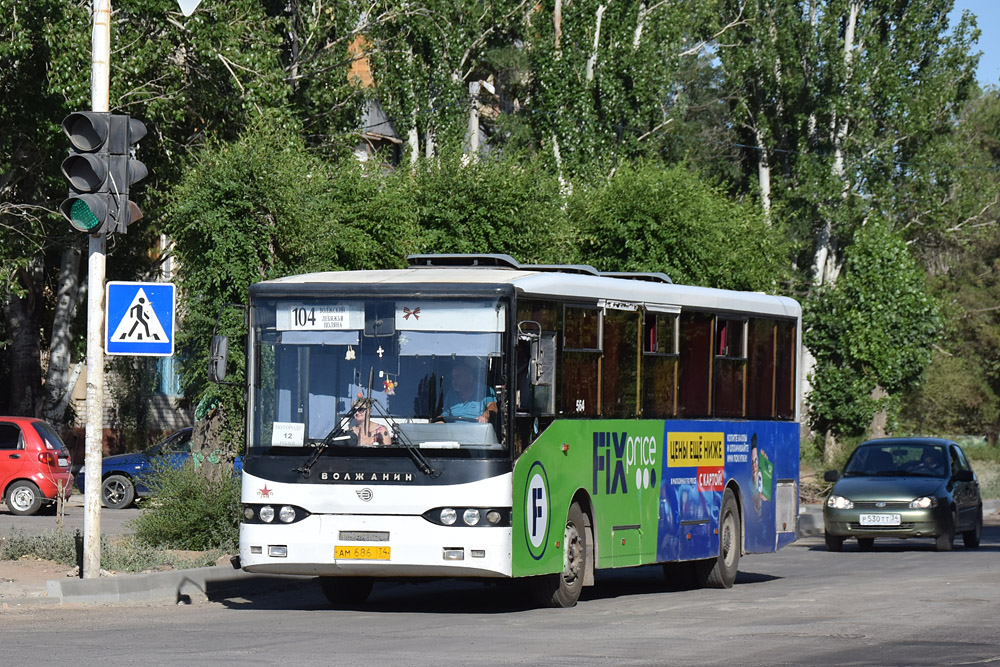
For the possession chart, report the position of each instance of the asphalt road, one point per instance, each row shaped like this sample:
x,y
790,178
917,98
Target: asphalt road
x,y
900,604
113,522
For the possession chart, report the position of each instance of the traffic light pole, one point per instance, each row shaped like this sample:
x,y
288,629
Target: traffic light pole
x,y
100,100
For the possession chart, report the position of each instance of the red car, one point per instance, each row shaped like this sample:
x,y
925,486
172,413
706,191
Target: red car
x,y
34,465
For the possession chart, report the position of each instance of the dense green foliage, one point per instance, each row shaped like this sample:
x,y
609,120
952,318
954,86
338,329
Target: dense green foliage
x,y
189,510
651,218
746,144
874,330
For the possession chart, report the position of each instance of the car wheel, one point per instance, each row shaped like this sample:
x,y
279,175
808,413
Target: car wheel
x,y
946,539
866,543
834,542
23,498
970,538
562,589
346,591
117,492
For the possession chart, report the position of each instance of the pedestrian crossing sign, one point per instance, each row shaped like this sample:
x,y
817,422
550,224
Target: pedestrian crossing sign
x,y
139,319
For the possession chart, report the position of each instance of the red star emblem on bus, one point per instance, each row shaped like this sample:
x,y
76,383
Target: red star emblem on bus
x,y
265,492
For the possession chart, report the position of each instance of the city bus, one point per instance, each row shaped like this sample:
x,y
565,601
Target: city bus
x,y
618,420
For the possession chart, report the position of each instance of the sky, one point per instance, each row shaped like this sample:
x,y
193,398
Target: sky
x,y
988,19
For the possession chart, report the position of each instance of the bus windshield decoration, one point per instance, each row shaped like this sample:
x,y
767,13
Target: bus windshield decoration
x,y
472,417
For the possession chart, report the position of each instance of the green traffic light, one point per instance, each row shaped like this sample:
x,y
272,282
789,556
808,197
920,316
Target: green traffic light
x,y
82,217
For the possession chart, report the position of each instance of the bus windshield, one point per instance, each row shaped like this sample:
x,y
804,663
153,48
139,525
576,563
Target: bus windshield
x,y
379,373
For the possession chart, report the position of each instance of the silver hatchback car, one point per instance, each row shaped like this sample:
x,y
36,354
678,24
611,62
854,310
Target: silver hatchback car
x,y
904,487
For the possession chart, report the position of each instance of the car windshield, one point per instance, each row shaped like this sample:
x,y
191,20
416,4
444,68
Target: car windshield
x,y
381,373
898,460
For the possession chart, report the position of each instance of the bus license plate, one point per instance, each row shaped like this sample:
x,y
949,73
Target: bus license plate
x,y
361,553
879,519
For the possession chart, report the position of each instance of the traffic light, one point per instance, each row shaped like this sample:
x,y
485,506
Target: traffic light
x,y
101,170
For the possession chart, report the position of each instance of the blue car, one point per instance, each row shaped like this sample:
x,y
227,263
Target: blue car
x,y
123,475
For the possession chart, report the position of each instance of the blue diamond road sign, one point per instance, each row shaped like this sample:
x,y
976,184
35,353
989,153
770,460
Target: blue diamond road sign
x,y
140,319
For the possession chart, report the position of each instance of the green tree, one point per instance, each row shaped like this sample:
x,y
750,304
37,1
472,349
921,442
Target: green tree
x,y
837,102
263,207
649,217
871,334
500,205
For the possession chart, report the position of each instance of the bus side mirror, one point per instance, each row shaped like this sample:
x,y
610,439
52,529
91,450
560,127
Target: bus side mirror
x,y
218,358
542,374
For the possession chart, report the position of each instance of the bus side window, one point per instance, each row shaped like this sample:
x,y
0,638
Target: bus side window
x,y
729,372
659,365
694,384
761,351
580,362
620,369
785,371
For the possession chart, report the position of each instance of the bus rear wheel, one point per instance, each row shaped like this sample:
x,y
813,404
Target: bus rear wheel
x,y
720,572
563,589
346,591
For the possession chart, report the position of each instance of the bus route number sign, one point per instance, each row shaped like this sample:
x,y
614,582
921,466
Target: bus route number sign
x,y
319,317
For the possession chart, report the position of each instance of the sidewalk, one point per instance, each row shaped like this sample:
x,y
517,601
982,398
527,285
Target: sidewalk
x,y
177,586
208,583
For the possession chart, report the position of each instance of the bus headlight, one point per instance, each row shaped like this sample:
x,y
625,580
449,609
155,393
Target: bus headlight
x,y
248,513
472,517
286,514
266,514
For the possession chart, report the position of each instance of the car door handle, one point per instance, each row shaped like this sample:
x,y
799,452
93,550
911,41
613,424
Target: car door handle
x,y
13,456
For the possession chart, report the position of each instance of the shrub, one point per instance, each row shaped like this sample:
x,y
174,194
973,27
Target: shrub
x,y
118,554
190,510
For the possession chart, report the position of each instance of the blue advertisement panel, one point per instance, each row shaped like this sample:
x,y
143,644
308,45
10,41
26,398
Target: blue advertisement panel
x,y
699,459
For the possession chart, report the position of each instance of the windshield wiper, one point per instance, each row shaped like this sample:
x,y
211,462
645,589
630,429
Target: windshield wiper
x,y
337,433
418,458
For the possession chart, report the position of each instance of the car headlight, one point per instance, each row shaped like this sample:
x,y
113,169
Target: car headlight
x,y
922,503
839,503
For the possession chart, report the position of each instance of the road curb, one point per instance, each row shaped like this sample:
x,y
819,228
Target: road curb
x,y
180,586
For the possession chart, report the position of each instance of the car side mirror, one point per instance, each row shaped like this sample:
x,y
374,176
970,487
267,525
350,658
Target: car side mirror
x,y
831,476
964,476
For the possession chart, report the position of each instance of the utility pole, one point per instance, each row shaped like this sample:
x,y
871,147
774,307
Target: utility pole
x,y
99,101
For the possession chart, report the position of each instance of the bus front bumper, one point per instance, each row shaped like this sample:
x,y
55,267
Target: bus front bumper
x,y
377,546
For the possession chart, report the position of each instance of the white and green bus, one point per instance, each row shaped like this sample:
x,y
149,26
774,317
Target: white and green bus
x,y
619,420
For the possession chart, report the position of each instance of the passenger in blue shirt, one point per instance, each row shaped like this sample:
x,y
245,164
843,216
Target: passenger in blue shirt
x,y
467,400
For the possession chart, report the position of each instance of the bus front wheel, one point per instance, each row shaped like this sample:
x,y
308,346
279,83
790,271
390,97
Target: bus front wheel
x,y
346,591
563,589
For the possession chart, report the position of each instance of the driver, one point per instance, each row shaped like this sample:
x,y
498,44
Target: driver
x,y
932,462
467,399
